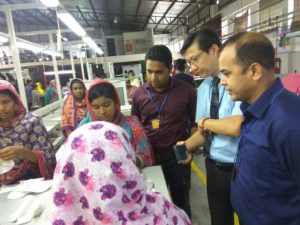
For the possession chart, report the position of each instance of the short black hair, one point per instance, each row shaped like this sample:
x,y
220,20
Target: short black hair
x,y
180,64
252,47
104,89
160,53
205,38
10,94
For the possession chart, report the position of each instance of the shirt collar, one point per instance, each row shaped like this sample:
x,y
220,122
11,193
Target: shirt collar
x,y
261,105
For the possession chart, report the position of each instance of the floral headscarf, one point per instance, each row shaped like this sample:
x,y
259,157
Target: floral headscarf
x,y
96,182
5,85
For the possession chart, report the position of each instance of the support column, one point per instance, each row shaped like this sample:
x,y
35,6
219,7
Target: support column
x,y
15,55
72,66
55,69
82,68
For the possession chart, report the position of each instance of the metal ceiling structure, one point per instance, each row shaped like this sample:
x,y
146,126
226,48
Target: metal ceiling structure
x,y
112,16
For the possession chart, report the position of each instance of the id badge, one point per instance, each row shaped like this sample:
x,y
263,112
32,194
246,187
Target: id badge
x,y
155,123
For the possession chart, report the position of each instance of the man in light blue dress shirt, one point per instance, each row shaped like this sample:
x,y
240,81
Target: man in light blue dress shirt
x,y
219,133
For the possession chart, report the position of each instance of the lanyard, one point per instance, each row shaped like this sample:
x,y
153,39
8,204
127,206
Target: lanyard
x,y
246,128
161,106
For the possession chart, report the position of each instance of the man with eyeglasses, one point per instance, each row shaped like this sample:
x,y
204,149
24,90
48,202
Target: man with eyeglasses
x,y
219,121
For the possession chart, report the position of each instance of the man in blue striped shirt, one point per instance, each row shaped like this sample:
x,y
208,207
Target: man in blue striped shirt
x,y
266,182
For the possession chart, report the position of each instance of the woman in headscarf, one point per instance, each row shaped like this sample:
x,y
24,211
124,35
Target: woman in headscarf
x,y
23,138
97,182
103,104
74,108
51,93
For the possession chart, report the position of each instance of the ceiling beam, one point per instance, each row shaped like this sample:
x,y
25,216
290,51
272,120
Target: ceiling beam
x,y
182,1
138,8
36,32
23,6
94,11
182,11
22,14
79,10
106,9
166,12
53,21
150,14
136,19
121,20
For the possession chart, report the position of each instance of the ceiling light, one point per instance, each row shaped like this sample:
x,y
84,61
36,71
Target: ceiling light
x,y
48,73
70,22
116,20
52,53
50,3
90,42
3,39
29,46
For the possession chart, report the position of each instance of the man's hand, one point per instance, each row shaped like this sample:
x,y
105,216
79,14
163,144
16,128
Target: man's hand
x,y
187,161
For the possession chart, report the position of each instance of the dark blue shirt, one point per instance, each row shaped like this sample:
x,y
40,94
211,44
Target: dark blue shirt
x,y
266,183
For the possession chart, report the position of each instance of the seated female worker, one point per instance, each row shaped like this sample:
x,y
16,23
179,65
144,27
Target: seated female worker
x,y
23,138
103,104
97,182
74,109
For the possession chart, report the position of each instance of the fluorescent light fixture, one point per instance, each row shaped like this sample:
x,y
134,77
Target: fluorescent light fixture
x,y
50,3
3,39
48,73
52,53
70,22
29,46
90,42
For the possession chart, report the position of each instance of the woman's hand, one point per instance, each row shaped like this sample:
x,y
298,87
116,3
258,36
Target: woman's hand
x,y
17,152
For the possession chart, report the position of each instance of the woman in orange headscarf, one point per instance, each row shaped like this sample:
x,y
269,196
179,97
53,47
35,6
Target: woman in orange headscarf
x,y
74,108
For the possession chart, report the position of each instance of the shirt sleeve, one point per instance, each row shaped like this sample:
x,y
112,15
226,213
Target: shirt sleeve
x,y
292,154
236,108
42,148
192,107
134,107
201,106
141,144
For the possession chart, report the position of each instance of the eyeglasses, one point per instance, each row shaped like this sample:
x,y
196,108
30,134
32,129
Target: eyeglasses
x,y
194,60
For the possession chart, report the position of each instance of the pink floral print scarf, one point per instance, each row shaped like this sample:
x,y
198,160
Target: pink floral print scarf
x,y
96,182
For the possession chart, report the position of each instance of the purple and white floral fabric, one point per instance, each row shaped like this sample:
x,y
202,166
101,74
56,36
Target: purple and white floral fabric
x,y
96,182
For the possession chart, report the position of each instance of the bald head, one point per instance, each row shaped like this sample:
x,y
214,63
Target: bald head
x,y
251,47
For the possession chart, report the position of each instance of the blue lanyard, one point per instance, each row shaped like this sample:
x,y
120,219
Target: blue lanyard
x,y
246,128
160,108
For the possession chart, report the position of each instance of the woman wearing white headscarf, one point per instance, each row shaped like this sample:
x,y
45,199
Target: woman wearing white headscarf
x,y
96,182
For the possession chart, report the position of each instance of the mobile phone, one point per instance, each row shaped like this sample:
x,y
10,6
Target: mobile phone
x,y
180,152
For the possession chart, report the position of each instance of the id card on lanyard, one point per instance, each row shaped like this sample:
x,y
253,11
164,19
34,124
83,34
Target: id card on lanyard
x,y
156,121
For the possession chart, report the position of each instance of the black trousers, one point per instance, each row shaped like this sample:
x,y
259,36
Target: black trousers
x,y
178,179
218,194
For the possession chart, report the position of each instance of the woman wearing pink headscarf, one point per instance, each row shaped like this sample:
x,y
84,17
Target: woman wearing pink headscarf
x,y
96,182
